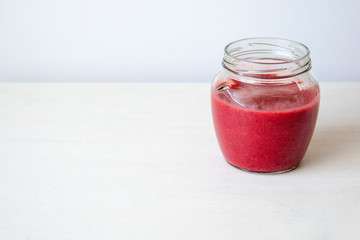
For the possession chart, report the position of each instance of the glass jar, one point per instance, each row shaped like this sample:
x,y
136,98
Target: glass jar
x,y
265,104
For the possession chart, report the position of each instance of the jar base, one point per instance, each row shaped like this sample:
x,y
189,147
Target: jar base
x,y
257,172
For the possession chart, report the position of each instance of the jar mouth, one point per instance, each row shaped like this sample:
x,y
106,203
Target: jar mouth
x,y
267,57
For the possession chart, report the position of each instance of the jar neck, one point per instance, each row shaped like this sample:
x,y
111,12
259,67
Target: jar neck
x,y
267,58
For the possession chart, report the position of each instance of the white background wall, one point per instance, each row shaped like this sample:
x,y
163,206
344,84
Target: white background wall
x,y
159,40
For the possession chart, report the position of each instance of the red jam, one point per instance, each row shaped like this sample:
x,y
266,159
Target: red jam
x,y
264,128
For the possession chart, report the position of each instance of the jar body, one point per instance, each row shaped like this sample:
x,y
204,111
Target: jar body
x,y
264,124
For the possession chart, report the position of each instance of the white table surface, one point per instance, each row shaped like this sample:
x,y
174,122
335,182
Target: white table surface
x,y
140,161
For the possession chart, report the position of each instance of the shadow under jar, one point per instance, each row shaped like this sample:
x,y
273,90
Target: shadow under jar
x,y
265,104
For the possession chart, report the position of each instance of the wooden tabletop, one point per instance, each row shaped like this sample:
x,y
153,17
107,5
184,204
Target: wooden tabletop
x,y
141,161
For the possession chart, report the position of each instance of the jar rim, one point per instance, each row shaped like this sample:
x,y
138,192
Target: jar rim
x,y
307,53
267,56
